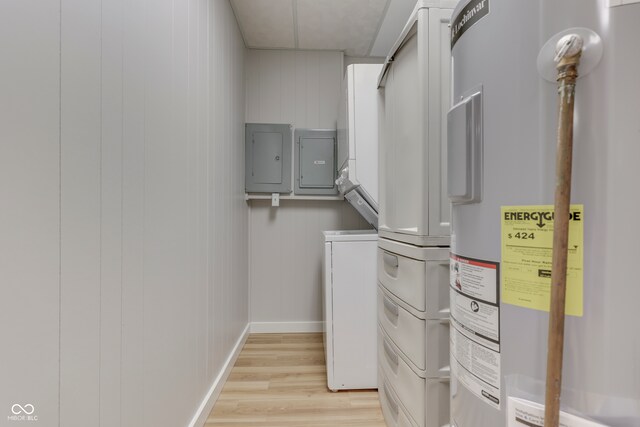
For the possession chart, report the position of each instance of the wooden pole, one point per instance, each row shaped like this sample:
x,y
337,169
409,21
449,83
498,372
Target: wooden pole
x,y
567,75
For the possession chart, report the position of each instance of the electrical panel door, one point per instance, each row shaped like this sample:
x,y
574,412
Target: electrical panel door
x,y
315,161
316,157
268,158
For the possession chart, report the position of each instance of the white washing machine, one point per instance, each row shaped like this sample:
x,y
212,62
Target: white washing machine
x,y
349,309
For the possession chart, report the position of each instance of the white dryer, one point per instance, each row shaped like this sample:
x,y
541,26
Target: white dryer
x,y
358,140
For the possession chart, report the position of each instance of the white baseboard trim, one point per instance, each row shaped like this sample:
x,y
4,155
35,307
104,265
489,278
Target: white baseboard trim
x,y
200,417
284,327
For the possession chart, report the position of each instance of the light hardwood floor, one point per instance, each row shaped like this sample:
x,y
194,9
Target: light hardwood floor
x,y
279,380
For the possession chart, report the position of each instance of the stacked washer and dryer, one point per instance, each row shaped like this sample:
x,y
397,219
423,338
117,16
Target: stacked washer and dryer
x,y
349,258
413,245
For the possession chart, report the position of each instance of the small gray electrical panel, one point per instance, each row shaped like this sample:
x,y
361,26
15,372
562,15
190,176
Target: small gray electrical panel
x,y
464,150
267,158
315,162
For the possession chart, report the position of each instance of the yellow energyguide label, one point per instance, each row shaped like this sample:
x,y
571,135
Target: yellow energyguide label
x,y
527,241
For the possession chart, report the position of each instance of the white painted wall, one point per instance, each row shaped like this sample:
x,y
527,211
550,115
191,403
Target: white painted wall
x,y
286,247
297,87
29,207
349,60
301,88
124,228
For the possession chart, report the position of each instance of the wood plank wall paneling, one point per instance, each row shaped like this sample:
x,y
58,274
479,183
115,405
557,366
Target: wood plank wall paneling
x,y
133,215
296,87
286,256
111,208
29,207
124,228
81,143
301,88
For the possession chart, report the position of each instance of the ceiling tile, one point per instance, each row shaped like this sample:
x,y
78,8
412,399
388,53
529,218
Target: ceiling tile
x,y
348,25
397,15
266,23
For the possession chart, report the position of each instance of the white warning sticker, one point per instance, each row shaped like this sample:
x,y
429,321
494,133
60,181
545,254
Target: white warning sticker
x,y
475,317
475,278
476,367
524,413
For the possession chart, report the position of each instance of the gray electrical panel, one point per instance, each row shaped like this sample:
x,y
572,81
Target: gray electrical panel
x,y
267,158
315,162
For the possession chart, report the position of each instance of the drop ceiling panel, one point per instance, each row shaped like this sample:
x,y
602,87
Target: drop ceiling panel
x,y
397,15
266,23
349,25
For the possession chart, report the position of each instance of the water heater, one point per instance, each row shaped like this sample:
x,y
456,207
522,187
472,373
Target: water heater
x,y
501,162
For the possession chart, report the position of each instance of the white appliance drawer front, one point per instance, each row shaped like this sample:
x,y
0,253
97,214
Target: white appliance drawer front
x,y
437,348
407,331
418,276
404,277
406,384
394,414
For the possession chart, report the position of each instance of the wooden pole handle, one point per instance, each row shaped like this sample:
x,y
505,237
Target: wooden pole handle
x,y
567,75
